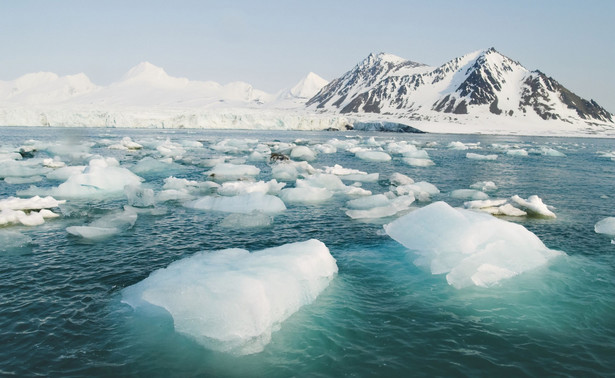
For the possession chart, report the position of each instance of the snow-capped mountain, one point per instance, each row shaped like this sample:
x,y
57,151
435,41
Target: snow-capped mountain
x,y
483,84
45,88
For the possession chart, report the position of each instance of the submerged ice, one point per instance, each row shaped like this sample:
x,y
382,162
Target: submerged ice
x,y
232,300
471,248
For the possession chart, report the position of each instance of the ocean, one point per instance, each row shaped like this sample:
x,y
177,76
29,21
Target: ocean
x,y
61,299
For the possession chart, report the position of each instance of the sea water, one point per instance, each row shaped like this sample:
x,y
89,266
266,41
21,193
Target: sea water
x,y
61,297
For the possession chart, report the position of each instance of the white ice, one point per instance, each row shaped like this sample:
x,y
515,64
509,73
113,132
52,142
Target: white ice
x,y
471,248
244,204
606,226
12,239
473,156
102,177
106,226
232,300
485,186
533,205
230,172
469,194
415,162
302,153
379,208
372,155
234,188
253,220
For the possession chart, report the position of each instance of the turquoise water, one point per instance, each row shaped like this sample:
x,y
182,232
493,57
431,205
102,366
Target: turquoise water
x,y
61,312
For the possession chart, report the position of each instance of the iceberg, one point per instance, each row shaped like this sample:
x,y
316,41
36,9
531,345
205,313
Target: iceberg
x,y
233,300
471,248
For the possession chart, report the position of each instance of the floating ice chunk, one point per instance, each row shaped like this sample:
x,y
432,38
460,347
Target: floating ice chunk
x,y
232,300
399,179
392,207
606,226
341,171
284,172
371,155
457,146
323,180
414,162
12,239
106,226
421,190
126,144
174,195
244,187
22,180
517,152
244,204
305,195
138,196
472,248
470,194
533,205
102,177
302,153
253,220
485,186
151,166
325,148
171,149
351,174
230,172
473,156
400,148
368,202
53,163
417,154
34,203
62,174
12,168
547,151
495,207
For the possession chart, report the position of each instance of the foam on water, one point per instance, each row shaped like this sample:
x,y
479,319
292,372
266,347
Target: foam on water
x,y
232,300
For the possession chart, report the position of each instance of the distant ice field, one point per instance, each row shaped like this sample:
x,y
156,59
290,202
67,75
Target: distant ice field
x,y
268,253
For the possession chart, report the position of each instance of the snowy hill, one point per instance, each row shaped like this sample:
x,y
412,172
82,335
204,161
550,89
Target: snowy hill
x,y
44,88
483,84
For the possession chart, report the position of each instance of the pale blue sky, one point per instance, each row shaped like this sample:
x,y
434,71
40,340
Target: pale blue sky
x,y
273,44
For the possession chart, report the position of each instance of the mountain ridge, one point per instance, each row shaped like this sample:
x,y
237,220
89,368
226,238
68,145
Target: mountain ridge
x,y
478,83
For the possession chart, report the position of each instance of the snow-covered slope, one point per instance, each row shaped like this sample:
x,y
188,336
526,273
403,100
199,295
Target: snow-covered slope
x,y
45,88
483,91
483,84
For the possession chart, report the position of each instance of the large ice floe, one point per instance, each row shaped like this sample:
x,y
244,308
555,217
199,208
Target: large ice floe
x,y
101,177
471,248
232,300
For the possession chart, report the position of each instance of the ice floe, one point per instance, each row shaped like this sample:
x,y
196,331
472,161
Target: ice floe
x,y
232,300
245,203
229,172
106,226
101,177
470,247
606,226
533,205
474,156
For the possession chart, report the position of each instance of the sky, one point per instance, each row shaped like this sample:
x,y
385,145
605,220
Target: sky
x,y
273,44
